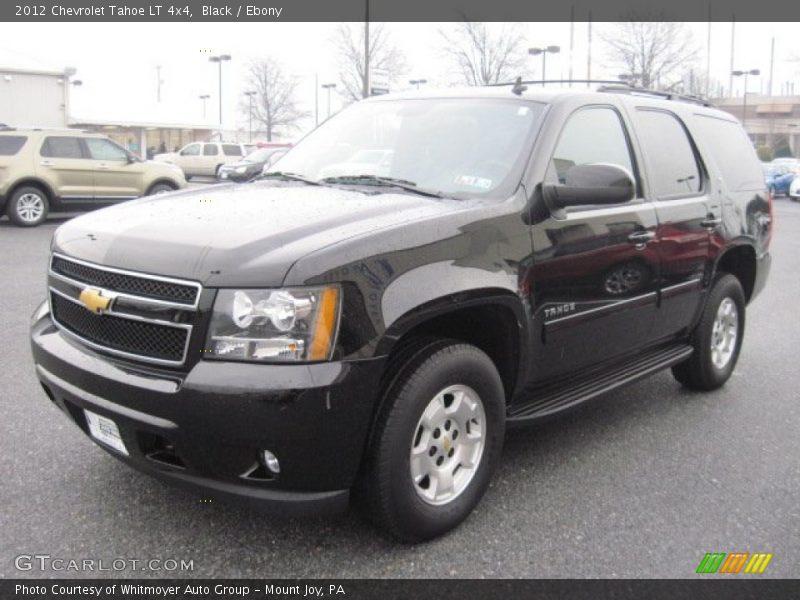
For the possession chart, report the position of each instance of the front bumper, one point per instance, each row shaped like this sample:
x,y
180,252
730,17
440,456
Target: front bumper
x,y
204,429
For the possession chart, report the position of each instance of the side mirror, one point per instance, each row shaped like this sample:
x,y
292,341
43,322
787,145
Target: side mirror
x,y
598,183
131,158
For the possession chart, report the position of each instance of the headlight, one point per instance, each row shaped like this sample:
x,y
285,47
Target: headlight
x,y
297,324
241,170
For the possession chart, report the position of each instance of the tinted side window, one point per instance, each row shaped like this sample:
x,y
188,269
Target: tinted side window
x,y
210,150
592,135
11,144
231,150
100,149
62,147
191,150
732,152
673,165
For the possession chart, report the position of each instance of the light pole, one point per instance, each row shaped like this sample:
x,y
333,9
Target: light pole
x,y
544,51
418,82
329,87
219,59
66,82
204,97
250,112
159,81
753,72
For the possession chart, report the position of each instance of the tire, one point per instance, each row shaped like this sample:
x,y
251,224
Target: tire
x,y
443,396
160,188
708,369
28,206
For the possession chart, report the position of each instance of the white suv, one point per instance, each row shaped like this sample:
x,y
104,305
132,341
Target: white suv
x,y
204,158
794,189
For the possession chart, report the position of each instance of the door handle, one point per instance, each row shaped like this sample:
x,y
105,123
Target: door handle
x,y
640,239
711,222
102,167
46,163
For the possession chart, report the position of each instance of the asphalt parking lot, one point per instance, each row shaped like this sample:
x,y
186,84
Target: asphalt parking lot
x,y
640,483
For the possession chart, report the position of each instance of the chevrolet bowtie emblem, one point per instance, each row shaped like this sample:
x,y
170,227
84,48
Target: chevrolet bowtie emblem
x,y
447,444
94,301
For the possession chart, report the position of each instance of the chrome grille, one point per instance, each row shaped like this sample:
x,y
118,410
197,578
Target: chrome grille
x,y
123,335
147,318
157,288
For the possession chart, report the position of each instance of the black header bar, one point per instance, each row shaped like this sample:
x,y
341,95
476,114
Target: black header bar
x,y
395,10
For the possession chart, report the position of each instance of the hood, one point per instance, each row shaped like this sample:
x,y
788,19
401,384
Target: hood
x,y
236,235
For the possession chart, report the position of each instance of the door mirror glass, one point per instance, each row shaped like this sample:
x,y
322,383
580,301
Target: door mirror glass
x,y
591,184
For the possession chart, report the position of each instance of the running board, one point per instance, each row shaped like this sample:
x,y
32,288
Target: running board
x,y
540,401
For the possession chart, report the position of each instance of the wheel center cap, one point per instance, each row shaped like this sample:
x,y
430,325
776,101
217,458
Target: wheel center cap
x,y
447,443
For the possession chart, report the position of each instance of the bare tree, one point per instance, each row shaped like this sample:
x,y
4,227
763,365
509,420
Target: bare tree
x,y
274,106
483,56
654,53
383,56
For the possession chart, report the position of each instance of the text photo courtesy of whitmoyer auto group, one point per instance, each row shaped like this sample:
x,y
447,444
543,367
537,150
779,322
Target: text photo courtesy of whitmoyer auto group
x,y
371,300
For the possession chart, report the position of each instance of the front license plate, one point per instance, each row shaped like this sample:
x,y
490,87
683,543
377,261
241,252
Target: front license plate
x,y
106,431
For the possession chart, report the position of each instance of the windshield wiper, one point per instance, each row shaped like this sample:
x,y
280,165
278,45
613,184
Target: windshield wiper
x,y
286,176
404,184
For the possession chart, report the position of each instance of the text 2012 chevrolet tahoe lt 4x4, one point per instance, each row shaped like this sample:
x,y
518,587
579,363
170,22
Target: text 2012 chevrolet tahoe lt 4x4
x,y
348,328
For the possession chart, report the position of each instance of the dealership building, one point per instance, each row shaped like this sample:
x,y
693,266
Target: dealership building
x,y
40,98
769,120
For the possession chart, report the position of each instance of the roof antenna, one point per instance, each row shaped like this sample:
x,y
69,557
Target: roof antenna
x,y
518,87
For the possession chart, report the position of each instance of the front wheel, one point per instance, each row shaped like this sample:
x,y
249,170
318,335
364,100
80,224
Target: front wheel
x,y
437,442
160,188
28,207
717,339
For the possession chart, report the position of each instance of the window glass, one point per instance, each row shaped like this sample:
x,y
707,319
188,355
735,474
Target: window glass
x,y
231,150
61,147
11,144
100,149
592,135
674,168
461,148
733,153
210,150
191,150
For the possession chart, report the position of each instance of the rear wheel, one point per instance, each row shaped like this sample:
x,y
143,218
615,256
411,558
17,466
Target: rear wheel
x,y
717,339
437,442
28,206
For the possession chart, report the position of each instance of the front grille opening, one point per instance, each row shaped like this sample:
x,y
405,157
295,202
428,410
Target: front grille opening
x,y
148,340
126,283
258,472
49,392
159,450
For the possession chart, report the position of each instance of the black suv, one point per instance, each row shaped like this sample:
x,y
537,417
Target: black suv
x,y
423,272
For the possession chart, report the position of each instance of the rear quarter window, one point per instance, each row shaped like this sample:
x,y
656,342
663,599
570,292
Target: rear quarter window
x,y
11,144
732,153
231,150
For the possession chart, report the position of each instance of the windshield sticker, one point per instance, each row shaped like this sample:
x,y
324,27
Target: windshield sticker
x,y
480,183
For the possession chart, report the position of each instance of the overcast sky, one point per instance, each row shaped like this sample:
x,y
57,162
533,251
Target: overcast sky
x,y
117,61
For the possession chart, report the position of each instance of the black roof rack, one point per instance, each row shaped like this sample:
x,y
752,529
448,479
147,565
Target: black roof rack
x,y
605,85
519,81
626,89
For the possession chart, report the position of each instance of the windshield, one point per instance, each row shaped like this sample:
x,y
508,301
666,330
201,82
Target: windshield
x,y
459,147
